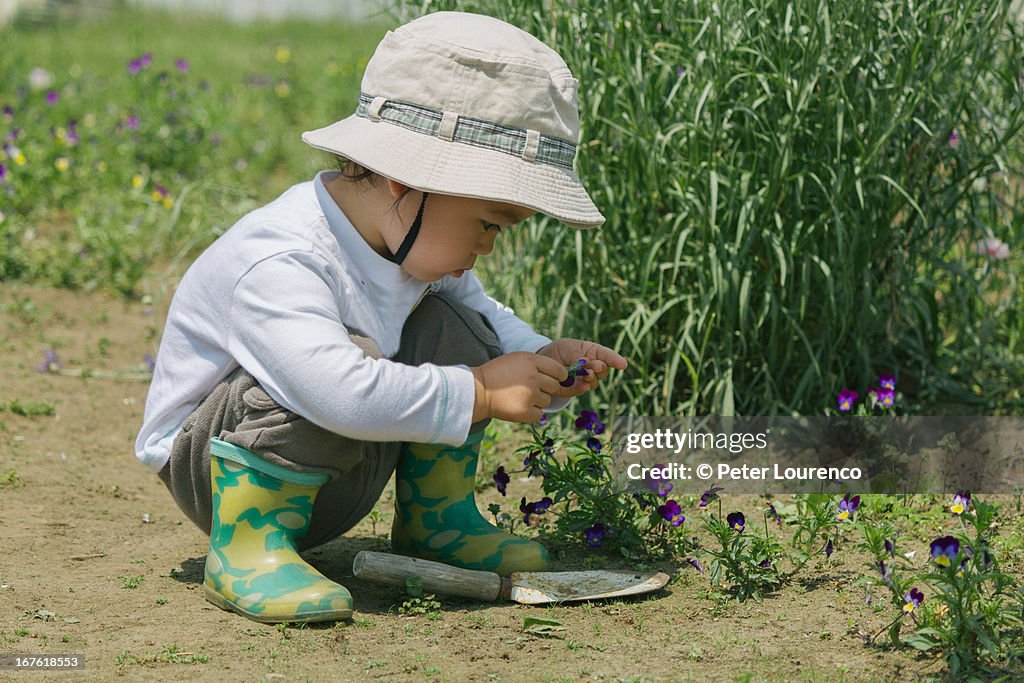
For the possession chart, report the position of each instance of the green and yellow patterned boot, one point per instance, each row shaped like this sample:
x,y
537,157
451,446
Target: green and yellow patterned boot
x,y
260,510
436,517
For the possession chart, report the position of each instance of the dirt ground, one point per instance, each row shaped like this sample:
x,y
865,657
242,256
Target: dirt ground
x,y
98,561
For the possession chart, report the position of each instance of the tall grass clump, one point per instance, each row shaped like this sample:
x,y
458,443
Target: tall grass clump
x,y
794,193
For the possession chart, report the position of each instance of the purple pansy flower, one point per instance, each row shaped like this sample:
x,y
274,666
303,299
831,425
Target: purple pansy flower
x,y
50,362
535,508
885,396
709,495
847,506
695,564
887,381
579,369
134,67
588,420
829,548
886,572
944,550
912,599
961,501
543,421
736,520
181,65
501,479
890,548
52,97
672,512
775,513
845,400
594,444
660,486
954,140
132,122
595,535
145,60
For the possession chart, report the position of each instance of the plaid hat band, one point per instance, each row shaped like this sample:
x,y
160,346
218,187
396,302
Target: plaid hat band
x,y
529,145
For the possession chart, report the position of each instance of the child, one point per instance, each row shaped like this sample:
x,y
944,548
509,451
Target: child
x,y
338,333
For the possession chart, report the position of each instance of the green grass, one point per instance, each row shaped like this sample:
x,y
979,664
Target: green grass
x,y
786,215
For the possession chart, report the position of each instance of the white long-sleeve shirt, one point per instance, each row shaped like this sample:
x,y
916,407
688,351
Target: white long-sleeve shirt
x,y
277,294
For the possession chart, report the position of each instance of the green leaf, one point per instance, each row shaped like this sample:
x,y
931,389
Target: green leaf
x,y
414,586
894,632
542,626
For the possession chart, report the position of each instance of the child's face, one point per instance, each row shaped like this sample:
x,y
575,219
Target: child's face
x,y
454,231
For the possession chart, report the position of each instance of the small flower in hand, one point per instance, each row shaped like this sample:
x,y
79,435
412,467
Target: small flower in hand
x,y
579,369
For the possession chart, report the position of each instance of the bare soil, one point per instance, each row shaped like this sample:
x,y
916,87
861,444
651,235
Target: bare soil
x,y
99,561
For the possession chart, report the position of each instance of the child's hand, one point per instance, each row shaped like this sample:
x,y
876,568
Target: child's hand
x,y
599,360
515,386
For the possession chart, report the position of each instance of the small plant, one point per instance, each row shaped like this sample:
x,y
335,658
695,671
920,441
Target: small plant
x,y
131,582
584,504
10,478
30,408
960,602
418,602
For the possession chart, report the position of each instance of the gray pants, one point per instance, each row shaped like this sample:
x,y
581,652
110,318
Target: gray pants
x,y
440,331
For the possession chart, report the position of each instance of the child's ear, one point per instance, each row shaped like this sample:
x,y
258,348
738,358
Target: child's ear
x,y
396,188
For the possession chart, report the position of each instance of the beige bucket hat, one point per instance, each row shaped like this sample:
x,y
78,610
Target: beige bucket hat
x,y
464,104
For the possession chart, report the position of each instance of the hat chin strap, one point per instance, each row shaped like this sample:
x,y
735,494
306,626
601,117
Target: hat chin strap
x,y
414,230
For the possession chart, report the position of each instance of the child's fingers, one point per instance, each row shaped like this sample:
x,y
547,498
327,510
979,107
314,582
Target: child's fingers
x,y
606,357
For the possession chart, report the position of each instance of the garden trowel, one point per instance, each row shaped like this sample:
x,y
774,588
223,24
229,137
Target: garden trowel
x,y
528,588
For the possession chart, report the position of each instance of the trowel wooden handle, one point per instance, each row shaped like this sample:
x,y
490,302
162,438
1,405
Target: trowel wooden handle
x,y
437,577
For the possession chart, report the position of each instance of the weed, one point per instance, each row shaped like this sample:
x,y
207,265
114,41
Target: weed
x,y
31,408
131,582
10,478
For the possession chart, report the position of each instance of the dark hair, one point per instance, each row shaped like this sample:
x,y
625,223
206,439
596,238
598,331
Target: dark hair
x,y
354,172
350,170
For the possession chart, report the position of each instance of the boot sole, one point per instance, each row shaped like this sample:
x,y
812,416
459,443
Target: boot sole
x,y
219,600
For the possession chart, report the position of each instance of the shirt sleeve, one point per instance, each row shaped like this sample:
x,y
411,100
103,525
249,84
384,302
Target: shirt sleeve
x,y
286,329
513,333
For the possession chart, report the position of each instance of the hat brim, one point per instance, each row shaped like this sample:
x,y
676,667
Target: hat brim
x,y
432,164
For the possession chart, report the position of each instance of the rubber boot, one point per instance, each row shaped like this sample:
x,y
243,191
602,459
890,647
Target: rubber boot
x,y
436,517
260,510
